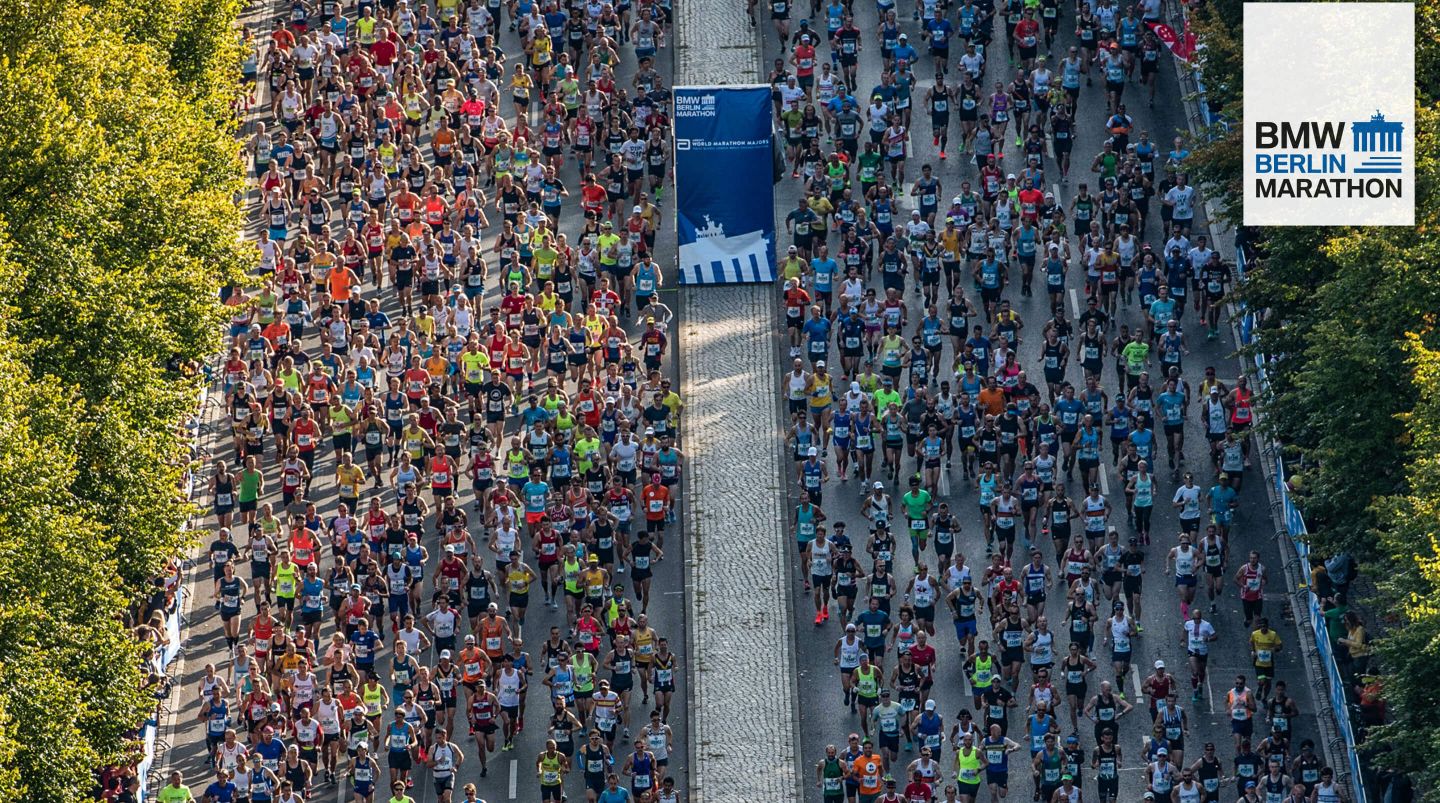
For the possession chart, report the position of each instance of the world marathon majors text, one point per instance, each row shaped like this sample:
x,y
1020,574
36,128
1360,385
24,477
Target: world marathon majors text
x,y
713,144
1329,188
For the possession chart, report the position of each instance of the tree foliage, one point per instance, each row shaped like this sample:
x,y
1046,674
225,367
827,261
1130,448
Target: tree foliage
x,y
118,170
1350,326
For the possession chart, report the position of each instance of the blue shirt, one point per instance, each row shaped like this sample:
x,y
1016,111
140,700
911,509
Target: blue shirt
x,y
534,494
940,31
1220,498
617,795
824,272
535,415
818,332
365,644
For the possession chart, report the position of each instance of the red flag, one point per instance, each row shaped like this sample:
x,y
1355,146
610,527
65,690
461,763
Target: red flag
x,y
1183,46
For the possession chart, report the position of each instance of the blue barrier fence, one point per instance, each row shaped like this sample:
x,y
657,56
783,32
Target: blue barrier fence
x,y
1299,537
149,733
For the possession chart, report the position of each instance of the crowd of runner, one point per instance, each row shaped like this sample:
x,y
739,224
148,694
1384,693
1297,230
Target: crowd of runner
x,y
899,302
455,324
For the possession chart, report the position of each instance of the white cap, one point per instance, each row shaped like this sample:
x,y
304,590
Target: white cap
x,y
444,653
878,486
637,210
812,451
1159,664
929,705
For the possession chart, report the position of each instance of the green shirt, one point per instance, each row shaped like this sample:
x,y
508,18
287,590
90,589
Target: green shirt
x,y
869,167
175,794
1135,354
884,398
916,503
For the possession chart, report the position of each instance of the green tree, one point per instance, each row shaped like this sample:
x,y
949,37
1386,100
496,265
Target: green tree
x,y
119,171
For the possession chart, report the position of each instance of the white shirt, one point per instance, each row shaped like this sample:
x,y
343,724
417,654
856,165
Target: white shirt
x,y
1198,635
1183,199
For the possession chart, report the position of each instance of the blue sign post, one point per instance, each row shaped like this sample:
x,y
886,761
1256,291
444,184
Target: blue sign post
x,y
724,202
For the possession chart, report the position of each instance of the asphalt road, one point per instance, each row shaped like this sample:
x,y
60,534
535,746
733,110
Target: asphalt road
x,y
824,719
512,774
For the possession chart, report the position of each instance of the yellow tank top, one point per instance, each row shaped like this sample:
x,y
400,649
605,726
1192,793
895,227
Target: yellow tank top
x,y
285,577
374,700
550,770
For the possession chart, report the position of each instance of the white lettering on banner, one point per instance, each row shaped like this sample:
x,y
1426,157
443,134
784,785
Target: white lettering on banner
x,y
695,106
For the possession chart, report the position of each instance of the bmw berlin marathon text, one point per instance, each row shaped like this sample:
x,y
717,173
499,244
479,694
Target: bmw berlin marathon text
x,y
1329,159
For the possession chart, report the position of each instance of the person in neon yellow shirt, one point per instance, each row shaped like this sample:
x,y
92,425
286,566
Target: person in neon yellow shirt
x,y
398,795
609,243
176,791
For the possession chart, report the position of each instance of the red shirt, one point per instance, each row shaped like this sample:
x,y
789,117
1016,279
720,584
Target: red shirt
x,y
919,792
383,53
923,658
592,197
1030,201
657,500
1025,31
306,433
795,301
805,60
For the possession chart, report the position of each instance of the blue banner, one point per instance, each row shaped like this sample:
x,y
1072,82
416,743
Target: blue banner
x,y
724,202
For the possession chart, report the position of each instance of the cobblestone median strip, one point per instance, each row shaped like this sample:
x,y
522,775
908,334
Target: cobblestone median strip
x,y
742,712
715,45
743,704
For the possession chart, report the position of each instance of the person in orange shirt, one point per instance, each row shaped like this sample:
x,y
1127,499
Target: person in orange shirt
x,y
475,665
494,633
868,770
435,210
281,37
277,332
991,398
437,366
657,501
342,282
406,204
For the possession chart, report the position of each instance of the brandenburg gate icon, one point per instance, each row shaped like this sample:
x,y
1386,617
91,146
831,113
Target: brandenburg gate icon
x,y
1378,134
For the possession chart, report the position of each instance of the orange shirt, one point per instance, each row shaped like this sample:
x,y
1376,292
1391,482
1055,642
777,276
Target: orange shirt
x,y
437,366
278,332
283,40
991,400
472,664
405,205
492,636
868,770
340,283
442,142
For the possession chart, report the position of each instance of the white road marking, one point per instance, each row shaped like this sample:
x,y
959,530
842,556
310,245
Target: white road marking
x,y
514,776
1209,692
1104,478
1055,188
1135,679
1074,303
